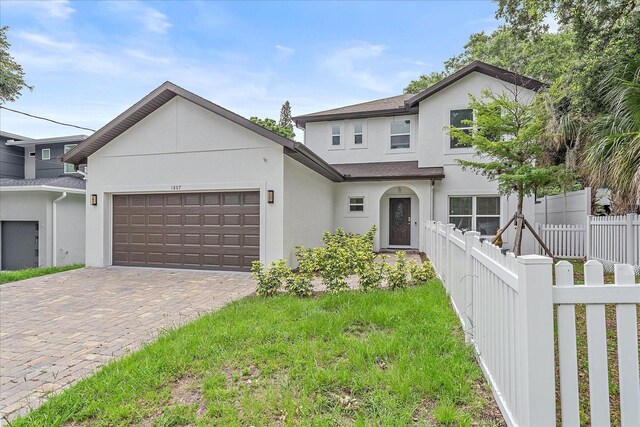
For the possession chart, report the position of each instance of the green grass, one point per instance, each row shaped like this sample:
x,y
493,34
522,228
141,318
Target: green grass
x,y
381,358
28,273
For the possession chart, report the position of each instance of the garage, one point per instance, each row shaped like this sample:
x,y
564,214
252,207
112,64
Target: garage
x,y
212,230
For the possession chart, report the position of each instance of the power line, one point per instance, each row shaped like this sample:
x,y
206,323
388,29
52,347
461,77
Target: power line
x,y
44,118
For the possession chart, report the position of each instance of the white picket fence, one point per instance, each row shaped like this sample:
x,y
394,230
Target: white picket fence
x,y
506,306
614,239
564,241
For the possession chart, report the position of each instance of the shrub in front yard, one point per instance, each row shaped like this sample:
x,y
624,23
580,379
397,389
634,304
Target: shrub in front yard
x,y
271,279
398,274
300,284
371,273
421,274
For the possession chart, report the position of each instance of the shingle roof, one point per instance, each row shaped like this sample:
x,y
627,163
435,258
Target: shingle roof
x,y
61,182
379,107
387,171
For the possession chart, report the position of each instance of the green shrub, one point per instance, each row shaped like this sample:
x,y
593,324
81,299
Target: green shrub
x,y
398,274
270,279
300,284
421,274
371,274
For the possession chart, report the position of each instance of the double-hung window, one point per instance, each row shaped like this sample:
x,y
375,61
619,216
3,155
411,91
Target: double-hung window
x,y
400,134
460,120
476,213
357,134
69,167
356,204
335,136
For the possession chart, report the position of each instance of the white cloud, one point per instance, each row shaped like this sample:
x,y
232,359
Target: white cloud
x,y
352,63
59,9
284,51
150,19
44,41
154,21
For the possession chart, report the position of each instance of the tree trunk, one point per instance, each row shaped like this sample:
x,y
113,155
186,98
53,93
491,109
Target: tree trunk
x,y
517,244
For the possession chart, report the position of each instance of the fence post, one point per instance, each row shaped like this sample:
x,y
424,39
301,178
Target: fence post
x,y
469,280
628,258
448,265
536,349
587,239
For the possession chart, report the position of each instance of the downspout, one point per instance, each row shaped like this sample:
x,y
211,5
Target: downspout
x,y
54,228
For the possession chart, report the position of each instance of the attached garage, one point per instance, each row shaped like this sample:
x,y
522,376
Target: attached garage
x,y
210,230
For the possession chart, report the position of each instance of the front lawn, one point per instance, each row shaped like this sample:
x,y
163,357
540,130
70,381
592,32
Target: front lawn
x,y
28,273
380,358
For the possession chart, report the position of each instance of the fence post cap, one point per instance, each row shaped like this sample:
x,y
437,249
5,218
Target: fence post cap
x,y
534,260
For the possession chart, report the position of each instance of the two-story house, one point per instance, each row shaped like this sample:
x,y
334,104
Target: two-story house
x,y
178,181
42,207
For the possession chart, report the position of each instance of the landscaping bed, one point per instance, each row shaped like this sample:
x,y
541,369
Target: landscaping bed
x,y
28,273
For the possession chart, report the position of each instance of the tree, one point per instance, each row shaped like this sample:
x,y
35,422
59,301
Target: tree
x,y
285,117
506,137
545,58
612,155
11,73
274,127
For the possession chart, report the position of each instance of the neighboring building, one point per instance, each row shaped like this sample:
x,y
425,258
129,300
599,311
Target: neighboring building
x,y
180,182
42,203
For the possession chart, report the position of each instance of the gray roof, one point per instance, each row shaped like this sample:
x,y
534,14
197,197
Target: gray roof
x,y
9,135
407,103
166,92
391,106
61,182
387,171
52,140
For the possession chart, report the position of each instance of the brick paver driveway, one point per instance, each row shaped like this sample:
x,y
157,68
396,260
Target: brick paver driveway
x,y
57,329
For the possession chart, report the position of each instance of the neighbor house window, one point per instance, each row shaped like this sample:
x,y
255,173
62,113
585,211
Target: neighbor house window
x,y
335,135
69,167
401,134
356,204
45,154
459,120
357,134
476,213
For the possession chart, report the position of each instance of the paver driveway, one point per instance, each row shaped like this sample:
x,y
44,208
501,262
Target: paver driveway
x,y
57,329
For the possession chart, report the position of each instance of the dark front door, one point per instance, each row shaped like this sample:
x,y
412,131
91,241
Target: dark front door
x,y
19,244
400,221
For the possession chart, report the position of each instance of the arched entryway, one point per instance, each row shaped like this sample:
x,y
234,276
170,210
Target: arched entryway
x,y
400,218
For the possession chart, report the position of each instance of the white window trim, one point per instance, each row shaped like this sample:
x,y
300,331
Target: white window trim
x,y
45,150
474,215
352,127
412,135
447,137
73,170
356,214
330,138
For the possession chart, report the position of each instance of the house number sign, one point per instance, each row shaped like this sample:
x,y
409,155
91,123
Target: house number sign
x,y
176,187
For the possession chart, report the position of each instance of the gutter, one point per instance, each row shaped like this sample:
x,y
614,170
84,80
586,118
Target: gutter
x,y
54,228
313,157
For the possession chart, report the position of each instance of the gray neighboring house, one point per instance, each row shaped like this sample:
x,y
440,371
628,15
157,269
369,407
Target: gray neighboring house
x,y
42,203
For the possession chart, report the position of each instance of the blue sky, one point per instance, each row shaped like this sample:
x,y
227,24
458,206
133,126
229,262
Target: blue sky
x,y
89,61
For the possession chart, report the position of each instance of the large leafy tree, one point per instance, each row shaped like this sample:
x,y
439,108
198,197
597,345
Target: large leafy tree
x,y
273,126
285,117
545,57
507,130
11,73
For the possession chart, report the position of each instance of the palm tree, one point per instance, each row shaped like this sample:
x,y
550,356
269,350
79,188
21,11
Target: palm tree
x,y
612,155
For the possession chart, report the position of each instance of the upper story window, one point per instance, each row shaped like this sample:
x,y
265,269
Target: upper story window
x,y
45,154
69,167
400,134
335,136
459,120
357,134
476,213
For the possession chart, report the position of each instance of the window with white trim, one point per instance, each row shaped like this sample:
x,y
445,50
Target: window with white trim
x,y
475,213
45,154
357,134
356,204
335,136
69,167
459,119
400,134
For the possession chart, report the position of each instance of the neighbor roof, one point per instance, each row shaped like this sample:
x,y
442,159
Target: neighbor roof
x,y
407,103
163,94
53,140
58,183
9,135
387,171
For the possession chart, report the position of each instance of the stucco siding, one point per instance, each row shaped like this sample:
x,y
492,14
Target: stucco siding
x,y
182,147
308,208
71,229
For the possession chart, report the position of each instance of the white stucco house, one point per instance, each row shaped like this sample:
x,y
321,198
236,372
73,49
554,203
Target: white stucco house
x,y
178,181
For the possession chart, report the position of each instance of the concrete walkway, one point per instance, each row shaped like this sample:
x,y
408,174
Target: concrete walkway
x,y
57,329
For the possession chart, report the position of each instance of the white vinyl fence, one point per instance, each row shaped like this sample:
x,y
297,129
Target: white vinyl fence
x,y
614,239
564,241
567,208
506,306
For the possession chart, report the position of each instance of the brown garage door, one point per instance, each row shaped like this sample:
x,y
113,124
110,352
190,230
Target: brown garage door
x,y
219,231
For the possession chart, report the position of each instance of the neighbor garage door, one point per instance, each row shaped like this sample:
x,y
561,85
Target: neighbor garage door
x,y
219,231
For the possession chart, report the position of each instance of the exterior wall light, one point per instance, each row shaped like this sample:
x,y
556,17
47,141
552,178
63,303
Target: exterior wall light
x,y
94,200
270,196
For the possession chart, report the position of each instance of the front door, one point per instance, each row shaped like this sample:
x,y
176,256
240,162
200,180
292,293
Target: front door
x,y
400,221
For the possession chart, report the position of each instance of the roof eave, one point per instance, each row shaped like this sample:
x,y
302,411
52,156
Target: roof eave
x,y
301,121
49,188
